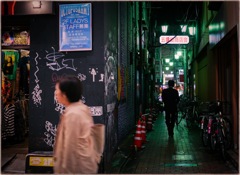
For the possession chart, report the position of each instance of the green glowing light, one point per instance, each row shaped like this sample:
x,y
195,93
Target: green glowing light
x,y
180,164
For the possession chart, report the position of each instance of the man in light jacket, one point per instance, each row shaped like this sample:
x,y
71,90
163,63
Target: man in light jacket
x,y
74,149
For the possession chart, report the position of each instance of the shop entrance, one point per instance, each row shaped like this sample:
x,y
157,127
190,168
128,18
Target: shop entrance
x,y
15,68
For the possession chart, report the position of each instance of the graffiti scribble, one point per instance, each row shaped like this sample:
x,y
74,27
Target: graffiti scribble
x,y
36,94
56,64
50,133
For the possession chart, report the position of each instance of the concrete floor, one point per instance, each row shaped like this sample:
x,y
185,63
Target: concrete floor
x,y
182,154
13,158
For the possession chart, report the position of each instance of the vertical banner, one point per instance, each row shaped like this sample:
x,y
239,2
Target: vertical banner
x,y
75,27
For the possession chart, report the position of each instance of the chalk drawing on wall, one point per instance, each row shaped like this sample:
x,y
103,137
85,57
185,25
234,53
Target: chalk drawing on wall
x,y
36,94
57,64
81,77
93,72
96,110
102,78
83,100
50,133
59,107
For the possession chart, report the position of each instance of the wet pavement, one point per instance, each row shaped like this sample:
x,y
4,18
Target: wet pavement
x,y
182,154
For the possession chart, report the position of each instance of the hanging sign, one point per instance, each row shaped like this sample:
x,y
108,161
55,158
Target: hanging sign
x,y
75,27
172,39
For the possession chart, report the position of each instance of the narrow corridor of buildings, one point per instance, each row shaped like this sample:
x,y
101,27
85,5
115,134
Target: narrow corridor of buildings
x,y
182,154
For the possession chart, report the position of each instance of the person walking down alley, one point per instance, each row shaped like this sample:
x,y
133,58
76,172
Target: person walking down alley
x,y
170,99
74,149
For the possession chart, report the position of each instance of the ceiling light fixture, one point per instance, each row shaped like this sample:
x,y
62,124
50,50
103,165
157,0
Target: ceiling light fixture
x,y
167,60
176,56
164,28
192,30
183,28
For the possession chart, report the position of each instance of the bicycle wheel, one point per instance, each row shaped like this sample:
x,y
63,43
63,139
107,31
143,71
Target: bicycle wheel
x,y
205,135
180,117
213,141
189,119
222,144
197,119
227,134
213,135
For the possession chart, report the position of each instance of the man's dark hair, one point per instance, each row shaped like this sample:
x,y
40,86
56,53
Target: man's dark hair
x,y
71,86
171,83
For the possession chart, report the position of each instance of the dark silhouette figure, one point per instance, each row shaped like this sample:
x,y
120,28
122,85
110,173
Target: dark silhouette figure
x,y
170,99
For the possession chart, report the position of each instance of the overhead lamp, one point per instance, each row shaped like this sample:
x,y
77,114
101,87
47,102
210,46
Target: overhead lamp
x,y
171,63
176,56
167,60
192,30
183,28
164,28
167,68
179,53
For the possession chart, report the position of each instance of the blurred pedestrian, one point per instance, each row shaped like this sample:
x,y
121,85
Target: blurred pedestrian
x,y
170,99
74,147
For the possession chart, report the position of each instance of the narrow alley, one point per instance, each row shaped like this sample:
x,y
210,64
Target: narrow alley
x,y
124,53
182,154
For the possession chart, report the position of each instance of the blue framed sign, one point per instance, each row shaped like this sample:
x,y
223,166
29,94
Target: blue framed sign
x,y
75,27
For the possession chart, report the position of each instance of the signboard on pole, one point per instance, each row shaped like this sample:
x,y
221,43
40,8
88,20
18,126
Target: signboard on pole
x,y
75,27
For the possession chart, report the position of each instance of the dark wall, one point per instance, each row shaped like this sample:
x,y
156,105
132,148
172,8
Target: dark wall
x,y
126,119
48,65
111,79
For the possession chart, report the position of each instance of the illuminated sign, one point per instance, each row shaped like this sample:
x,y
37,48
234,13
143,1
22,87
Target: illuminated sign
x,y
172,39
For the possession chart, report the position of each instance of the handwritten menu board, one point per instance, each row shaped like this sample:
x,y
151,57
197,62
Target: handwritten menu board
x,y
75,27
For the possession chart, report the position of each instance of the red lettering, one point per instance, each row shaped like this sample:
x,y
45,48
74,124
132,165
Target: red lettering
x,y
185,39
163,40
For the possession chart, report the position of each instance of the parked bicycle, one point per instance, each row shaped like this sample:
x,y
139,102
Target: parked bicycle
x,y
216,128
206,113
182,109
188,110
